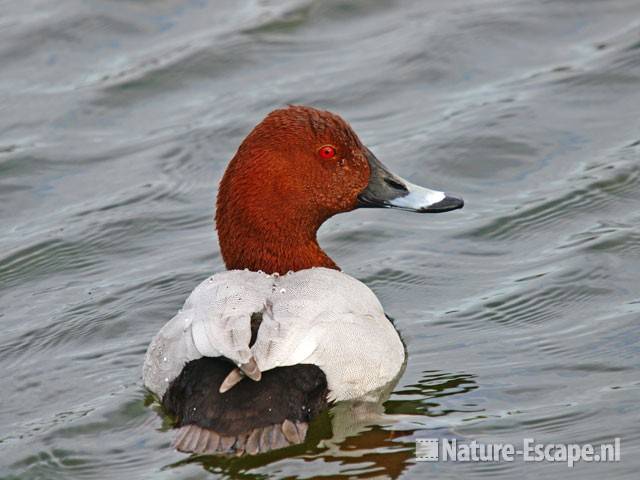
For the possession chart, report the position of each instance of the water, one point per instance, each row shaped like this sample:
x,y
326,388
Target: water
x,y
520,313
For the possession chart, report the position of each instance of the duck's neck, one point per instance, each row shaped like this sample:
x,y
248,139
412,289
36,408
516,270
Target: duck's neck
x,y
270,239
257,253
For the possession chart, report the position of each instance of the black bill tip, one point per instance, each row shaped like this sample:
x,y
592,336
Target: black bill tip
x,y
448,203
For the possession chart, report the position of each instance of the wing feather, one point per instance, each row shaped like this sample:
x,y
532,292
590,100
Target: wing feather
x,y
214,321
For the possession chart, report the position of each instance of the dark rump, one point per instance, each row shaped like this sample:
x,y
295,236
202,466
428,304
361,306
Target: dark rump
x,y
284,396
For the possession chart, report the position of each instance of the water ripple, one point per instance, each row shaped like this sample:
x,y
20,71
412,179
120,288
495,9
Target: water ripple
x,y
543,216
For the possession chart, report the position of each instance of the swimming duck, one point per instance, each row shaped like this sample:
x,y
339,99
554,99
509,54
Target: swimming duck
x,y
259,350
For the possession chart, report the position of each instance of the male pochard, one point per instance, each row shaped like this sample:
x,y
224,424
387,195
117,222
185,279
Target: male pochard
x,y
283,314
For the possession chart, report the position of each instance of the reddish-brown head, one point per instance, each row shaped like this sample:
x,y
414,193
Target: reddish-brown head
x,y
296,169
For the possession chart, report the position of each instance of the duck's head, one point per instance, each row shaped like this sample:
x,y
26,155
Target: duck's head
x,y
296,169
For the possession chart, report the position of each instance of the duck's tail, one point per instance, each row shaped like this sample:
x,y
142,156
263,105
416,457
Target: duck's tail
x,y
252,417
195,439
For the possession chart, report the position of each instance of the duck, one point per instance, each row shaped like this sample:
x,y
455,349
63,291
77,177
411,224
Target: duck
x,y
262,348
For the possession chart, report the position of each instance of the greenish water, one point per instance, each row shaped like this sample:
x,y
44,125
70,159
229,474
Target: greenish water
x,y
520,312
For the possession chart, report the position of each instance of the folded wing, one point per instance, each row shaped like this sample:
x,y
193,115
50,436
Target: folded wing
x,y
317,316
214,321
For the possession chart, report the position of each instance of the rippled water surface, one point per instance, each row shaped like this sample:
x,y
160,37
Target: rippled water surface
x,y
520,312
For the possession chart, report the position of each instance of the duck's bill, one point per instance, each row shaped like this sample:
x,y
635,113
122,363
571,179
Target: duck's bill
x,y
386,190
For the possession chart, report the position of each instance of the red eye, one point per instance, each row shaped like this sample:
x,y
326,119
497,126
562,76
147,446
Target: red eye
x,y
327,151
